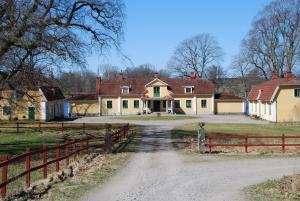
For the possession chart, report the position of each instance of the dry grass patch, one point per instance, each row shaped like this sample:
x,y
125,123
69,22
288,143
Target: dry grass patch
x,y
285,189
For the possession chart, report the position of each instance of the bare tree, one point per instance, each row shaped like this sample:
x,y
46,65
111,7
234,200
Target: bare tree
x,y
77,82
273,43
241,65
56,33
196,54
108,71
215,72
144,71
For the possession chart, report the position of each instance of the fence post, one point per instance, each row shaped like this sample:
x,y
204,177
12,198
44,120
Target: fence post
x,y
27,167
83,127
17,127
57,157
74,149
108,140
246,144
4,176
283,143
67,154
62,128
45,167
81,147
87,146
209,144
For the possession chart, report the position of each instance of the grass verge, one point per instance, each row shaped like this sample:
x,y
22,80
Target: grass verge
x,y
284,189
185,137
88,180
156,118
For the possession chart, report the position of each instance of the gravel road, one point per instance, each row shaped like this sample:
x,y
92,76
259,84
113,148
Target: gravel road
x,y
157,173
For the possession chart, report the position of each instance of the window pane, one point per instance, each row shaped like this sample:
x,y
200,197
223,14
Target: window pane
x,y
6,110
204,103
136,104
125,90
177,103
164,104
156,91
188,103
109,104
297,92
125,104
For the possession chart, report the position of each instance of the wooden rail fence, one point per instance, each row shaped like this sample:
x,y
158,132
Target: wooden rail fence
x,y
73,149
246,143
39,126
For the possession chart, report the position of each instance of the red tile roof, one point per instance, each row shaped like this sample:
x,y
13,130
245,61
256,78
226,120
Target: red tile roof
x,y
227,96
84,97
267,89
137,86
52,93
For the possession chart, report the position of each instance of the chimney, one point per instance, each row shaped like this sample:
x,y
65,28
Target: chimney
x,y
288,76
121,76
98,85
274,76
192,75
156,75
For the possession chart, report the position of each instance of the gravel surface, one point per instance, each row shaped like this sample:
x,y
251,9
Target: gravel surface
x,y
157,172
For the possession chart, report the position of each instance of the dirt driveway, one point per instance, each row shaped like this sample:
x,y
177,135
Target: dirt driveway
x,y
157,172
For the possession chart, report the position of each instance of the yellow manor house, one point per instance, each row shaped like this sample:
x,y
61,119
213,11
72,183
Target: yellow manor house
x,y
122,96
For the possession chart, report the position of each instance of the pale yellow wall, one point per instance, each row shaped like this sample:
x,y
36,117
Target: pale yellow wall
x,y
209,108
288,106
84,107
113,110
130,109
229,107
163,89
19,107
183,109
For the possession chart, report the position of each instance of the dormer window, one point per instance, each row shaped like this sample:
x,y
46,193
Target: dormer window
x,y
125,90
188,89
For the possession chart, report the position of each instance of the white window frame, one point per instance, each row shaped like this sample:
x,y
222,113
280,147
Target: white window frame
x,y
188,87
206,103
125,87
298,93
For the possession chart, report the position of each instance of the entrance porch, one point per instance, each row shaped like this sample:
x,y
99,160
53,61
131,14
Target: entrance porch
x,y
150,106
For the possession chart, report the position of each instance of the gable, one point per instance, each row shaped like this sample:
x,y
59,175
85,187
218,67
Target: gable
x,y
156,82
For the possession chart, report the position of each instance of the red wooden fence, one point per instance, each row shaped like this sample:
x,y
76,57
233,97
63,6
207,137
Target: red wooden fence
x,y
72,148
247,144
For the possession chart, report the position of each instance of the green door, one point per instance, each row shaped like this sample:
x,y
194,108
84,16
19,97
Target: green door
x,y
31,113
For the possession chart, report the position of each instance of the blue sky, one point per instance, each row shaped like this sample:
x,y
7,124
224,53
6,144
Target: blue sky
x,y
154,28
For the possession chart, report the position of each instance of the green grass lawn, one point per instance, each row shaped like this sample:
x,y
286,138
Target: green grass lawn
x,y
156,118
244,129
183,134
13,143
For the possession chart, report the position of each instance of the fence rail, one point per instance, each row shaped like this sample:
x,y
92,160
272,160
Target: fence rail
x,y
39,126
247,144
61,151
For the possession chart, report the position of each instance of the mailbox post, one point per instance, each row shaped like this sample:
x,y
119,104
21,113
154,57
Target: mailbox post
x,y
201,137
108,139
